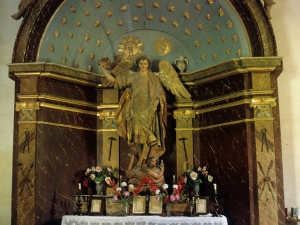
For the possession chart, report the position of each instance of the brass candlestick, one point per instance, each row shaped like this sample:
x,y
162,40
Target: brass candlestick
x,y
216,206
192,206
78,202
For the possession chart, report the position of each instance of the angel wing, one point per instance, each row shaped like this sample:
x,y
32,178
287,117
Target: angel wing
x,y
170,80
123,67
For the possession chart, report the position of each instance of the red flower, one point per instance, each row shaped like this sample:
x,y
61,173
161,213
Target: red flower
x,y
85,183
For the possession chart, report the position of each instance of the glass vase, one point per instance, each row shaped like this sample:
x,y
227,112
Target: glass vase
x,y
99,188
126,205
196,190
168,209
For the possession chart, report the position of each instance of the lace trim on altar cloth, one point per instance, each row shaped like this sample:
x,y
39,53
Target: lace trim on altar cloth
x,y
142,220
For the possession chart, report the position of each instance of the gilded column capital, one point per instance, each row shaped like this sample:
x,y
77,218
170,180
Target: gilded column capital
x,y
184,118
108,118
27,110
263,107
27,106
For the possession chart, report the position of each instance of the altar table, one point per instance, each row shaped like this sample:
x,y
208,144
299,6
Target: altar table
x,y
143,220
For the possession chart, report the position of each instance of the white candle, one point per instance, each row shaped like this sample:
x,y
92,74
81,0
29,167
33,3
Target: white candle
x,y
79,186
215,187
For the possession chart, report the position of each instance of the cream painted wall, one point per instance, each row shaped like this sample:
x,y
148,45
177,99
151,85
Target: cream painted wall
x,y
285,22
9,29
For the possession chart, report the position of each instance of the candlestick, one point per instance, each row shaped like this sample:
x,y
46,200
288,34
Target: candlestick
x,y
215,187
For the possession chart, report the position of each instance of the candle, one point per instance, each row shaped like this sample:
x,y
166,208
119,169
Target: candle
x,y
79,186
215,187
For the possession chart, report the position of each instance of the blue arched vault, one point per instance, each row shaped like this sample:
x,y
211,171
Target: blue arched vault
x,y
83,31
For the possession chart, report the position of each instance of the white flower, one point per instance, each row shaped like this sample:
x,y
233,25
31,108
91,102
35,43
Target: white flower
x,y
157,191
131,186
165,186
210,178
175,186
109,169
88,170
118,189
123,184
199,168
193,175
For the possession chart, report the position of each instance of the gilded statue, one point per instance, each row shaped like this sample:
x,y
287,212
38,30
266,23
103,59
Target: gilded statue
x,y
141,116
150,168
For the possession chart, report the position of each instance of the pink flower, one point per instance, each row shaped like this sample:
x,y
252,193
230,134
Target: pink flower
x,y
185,180
92,176
93,169
172,198
177,196
193,175
107,180
98,169
157,198
115,197
126,193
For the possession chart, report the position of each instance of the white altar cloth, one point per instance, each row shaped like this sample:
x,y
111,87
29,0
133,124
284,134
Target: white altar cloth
x,y
143,220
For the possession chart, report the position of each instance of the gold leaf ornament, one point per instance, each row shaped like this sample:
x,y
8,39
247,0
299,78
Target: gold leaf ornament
x,y
63,20
123,8
73,9
186,15
155,4
97,5
175,24
163,19
171,8
139,4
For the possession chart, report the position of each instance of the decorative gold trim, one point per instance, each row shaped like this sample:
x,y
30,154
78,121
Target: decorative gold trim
x,y
234,95
263,107
255,102
241,102
224,124
184,113
107,106
106,114
65,108
64,125
69,79
27,106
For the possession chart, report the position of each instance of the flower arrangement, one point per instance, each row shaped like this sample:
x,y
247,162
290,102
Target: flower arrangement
x,y
176,196
99,174
198,177
122,194
147,184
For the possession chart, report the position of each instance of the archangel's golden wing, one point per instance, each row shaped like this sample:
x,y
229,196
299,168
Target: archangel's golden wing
x,y
170,80
123,67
